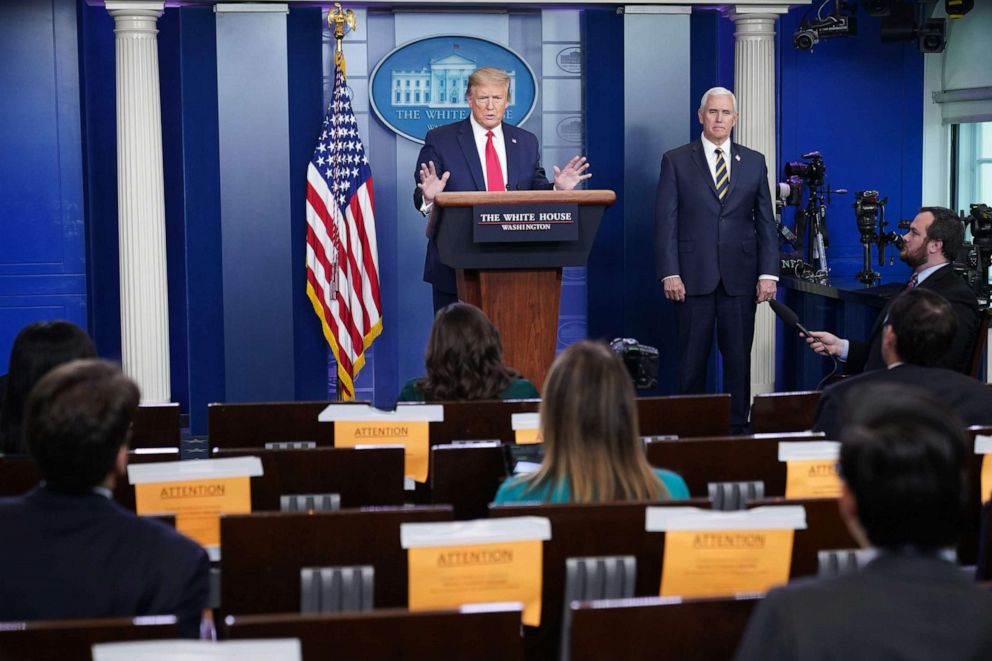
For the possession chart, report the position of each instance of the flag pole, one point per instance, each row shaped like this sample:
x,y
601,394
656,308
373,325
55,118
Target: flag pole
x,y
342,253
337,20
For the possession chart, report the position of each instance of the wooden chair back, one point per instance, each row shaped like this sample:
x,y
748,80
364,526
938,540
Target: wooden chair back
x,y
775,412
262,554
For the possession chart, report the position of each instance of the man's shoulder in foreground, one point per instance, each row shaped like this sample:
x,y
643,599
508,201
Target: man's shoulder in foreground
x,y
886,610
55,512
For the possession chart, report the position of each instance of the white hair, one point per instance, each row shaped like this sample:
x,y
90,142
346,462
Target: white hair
x,y
717,91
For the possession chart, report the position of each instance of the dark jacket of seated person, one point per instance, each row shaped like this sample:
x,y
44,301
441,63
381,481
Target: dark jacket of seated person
x,y
464,361
69,551
903,466
592,448
917,333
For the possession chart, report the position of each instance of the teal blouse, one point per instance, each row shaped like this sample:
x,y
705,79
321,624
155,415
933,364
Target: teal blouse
x,y
518,389
512,490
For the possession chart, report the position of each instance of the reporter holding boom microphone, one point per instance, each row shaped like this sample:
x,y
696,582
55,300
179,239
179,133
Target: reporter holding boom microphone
x,y
930,246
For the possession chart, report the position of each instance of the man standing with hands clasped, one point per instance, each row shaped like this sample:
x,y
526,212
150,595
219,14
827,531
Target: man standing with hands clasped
x,y
716,249
481,153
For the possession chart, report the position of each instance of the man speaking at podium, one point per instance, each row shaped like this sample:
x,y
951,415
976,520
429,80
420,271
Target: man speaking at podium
x,y
481,153
716,249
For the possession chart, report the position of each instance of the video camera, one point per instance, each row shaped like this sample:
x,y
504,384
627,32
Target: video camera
x,y
980,222
975,257
640,360
812,171
810,32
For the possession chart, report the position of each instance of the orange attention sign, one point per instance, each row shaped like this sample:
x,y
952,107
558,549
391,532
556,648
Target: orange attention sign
x,y
526,428
811,469
710,554
413,436
196,492
358,425
484,561
983,445
197,504
712,563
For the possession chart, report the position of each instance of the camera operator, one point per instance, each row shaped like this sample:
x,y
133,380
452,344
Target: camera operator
x,y
934,238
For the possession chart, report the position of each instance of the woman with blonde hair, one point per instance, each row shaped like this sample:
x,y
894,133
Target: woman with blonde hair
x,y
592,448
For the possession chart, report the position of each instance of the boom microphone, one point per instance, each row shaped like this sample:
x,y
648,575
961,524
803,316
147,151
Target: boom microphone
x,y
788,316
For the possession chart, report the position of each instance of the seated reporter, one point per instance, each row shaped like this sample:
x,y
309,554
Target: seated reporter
x,y
930,246
921,325
592,448
68,550
464,361
37,348
903,466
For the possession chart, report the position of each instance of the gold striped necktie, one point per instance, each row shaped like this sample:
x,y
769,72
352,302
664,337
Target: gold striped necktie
x,y
722,180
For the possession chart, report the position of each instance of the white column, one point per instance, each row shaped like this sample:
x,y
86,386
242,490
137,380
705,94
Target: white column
x,y
754,86
140,199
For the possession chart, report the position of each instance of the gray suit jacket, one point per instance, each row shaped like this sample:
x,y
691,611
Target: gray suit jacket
x,y
904,607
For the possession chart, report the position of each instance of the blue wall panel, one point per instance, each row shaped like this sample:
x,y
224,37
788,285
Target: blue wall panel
x,y
200,190
306,110
602,29
382,148
252,98
99,91
860,102
42,254
170,79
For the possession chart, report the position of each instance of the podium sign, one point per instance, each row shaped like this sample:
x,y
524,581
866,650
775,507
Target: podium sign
x,y
509,265
498,223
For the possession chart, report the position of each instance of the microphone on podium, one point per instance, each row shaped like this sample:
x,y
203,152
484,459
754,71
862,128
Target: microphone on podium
x,y
787,315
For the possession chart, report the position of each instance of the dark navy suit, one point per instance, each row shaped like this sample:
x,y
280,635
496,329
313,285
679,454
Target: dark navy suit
x,y
718,248
80,556
867,356
970,399
907,607
452,149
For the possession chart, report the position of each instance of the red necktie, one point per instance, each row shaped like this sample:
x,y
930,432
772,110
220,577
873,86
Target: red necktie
x,y
494,173
912,282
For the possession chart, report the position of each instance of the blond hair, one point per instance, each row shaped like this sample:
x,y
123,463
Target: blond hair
x,y
488,76
589,424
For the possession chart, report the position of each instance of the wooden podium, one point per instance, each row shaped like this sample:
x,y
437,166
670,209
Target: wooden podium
x,y
516,283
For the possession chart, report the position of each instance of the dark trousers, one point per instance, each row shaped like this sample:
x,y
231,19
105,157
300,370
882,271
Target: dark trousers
x,y
733,317
443,299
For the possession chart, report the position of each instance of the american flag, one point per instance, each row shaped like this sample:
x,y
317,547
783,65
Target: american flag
x,y
342,259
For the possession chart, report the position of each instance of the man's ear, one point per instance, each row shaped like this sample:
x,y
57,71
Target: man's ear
x,y
848,507
120,463
890,352
934,247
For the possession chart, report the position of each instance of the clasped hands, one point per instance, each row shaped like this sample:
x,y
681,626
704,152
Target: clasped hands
x,y
566,178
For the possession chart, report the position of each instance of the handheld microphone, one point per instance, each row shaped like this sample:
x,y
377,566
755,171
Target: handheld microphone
x,y
790,318
787,315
